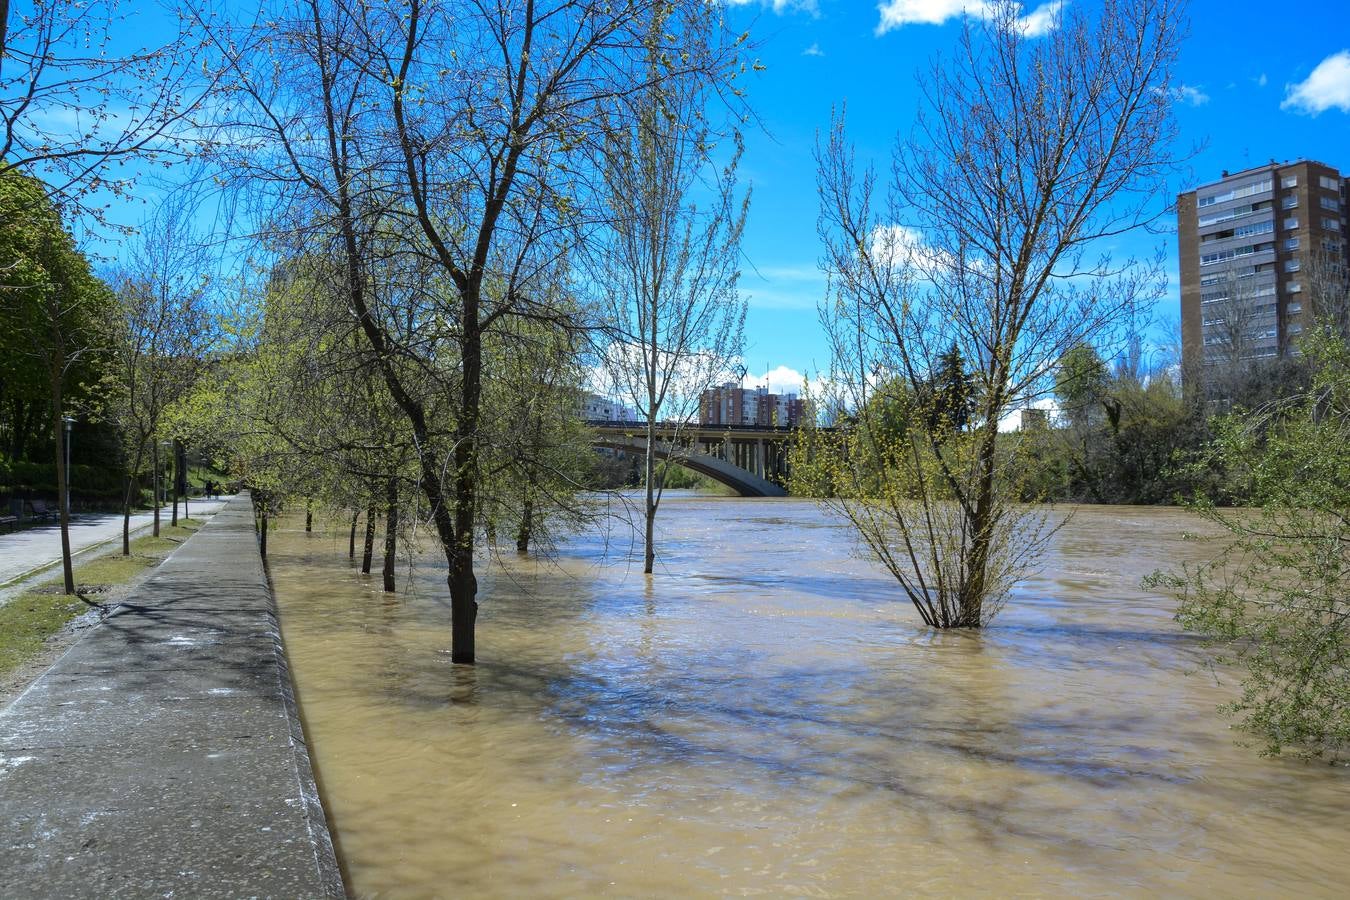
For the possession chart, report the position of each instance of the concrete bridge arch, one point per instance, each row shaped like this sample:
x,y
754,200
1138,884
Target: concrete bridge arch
x,y
741,480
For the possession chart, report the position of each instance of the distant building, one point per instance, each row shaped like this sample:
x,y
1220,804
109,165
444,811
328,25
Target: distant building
x,y
595,408
731,404
1247,244
1034,419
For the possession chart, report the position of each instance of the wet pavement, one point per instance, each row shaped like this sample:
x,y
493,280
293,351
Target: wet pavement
x,y
163,755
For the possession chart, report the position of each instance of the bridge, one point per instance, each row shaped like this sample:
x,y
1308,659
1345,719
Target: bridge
x,y
752,460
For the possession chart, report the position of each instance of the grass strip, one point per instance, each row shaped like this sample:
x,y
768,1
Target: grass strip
x,y
28,620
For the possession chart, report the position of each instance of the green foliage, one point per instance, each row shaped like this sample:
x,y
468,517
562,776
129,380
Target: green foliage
x,y
901,475
1277,596
1081,380
50,315
950,393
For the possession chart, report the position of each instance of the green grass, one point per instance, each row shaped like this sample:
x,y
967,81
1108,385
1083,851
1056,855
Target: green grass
x,y
27,621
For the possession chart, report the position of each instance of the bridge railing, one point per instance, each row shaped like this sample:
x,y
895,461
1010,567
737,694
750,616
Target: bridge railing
x,y
692,426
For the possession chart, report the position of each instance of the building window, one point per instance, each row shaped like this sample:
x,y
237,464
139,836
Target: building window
x,y
1294,308
1291,223
1295,328
1294,287
1331,224
1291,243
1289,181
1328,183
1292,265
1247,190
1330,203
1289,202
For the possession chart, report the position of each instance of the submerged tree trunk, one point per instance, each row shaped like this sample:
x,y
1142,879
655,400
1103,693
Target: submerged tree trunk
x,y
526,525
351,544
649,533
309,514
390,532
262,534
369,549
463,582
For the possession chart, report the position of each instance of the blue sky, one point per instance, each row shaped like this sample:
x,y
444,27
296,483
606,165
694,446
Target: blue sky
x,y
1241,65
1257,85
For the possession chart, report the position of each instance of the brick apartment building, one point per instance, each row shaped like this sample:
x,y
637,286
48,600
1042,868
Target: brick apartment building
x,y
1249,243
731,404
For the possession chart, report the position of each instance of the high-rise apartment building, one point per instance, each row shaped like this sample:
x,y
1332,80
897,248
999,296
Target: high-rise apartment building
x,y
731,404
1249,243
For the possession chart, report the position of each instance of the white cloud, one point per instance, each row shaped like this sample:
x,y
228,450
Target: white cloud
x,y
1262,80
813,50
780,6
779,379
1327,87
898,246
1190,94
898,13
1042,20
895,245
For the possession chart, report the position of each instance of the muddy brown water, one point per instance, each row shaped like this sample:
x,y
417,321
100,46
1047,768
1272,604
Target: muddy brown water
x,y
766,717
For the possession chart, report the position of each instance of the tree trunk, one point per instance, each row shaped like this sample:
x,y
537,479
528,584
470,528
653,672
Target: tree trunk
x,y
4,27
154,461
463,583
351,545
126,517
133,490
370,540
180,456
526,526
262,534
390,532
649,533
177,475
309,514
970,606
67,570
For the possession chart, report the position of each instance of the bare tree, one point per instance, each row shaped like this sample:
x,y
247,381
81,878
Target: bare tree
x,y
667,269
77,103
1029,153
470,122
159,341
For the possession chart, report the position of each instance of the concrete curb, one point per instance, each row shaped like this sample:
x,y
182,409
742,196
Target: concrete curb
x,y
163,754
328,869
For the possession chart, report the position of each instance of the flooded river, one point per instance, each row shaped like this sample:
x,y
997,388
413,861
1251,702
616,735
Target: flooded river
x,y
766,716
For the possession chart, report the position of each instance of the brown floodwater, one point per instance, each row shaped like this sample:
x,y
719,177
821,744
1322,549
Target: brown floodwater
x,y
765,716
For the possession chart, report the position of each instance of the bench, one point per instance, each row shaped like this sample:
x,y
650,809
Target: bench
x,y
41,510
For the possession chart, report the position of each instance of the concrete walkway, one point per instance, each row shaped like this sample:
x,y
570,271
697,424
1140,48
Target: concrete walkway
x,y
29,550
163,754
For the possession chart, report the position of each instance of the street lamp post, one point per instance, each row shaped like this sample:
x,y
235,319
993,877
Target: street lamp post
x,y
66,499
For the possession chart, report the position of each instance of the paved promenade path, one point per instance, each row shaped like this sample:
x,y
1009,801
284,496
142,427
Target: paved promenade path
x,y
30,549
163,755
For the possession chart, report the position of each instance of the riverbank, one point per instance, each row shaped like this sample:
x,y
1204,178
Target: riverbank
x,y
162,753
